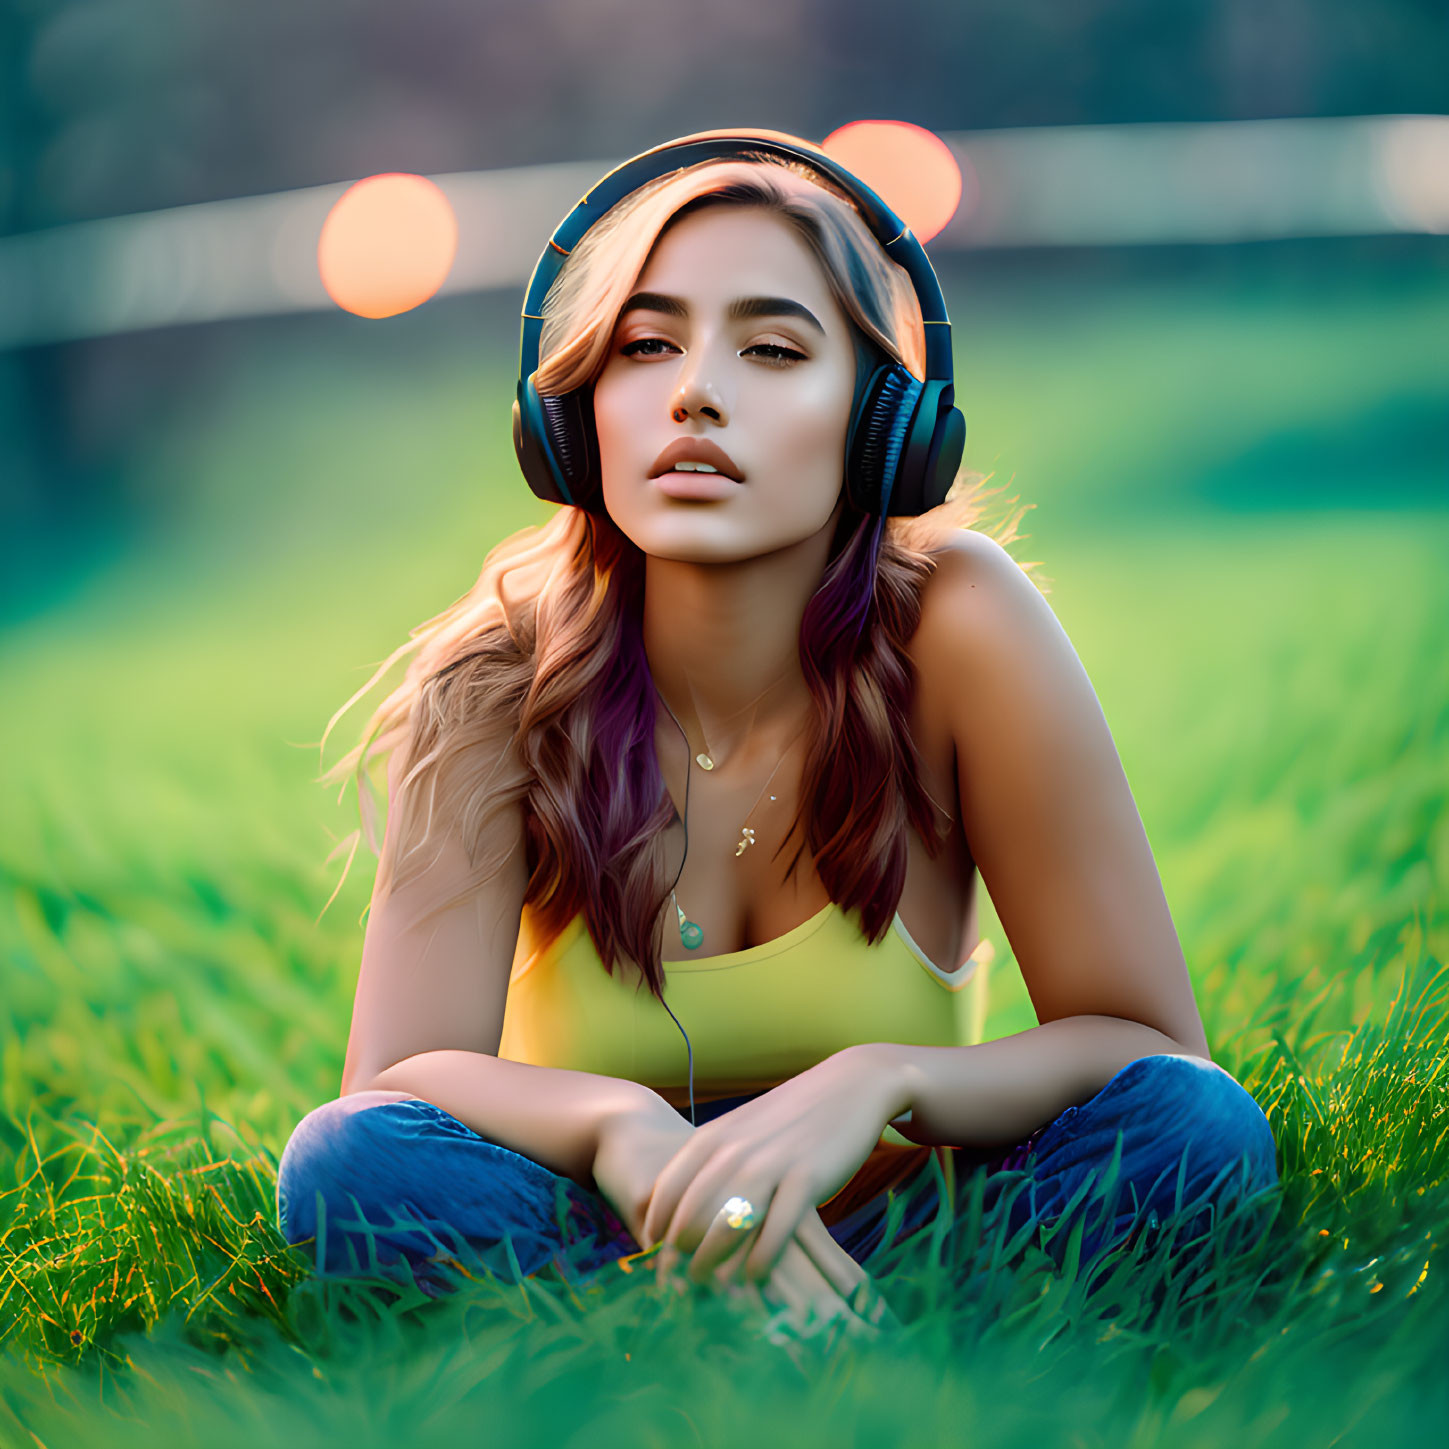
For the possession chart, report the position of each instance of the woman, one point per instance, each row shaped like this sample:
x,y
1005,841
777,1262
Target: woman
x,y
729,737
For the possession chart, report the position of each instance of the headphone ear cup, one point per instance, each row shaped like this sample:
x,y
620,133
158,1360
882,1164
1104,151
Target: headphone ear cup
x,y
569,420
878,433
933,448
556,444
951,433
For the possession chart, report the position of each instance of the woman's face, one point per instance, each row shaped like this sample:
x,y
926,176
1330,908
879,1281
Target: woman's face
x,y
771,390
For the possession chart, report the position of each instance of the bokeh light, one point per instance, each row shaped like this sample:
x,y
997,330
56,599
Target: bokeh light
x,y
911,169
387,245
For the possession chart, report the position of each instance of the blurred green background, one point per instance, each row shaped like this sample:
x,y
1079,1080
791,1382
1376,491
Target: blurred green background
x,y
1236,458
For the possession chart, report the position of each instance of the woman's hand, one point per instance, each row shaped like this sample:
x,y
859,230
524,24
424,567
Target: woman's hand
x,y
818,1283
814,1275
785,1151
633,1147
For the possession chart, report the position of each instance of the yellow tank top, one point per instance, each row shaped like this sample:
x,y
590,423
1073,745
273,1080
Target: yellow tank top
x,y
755,1017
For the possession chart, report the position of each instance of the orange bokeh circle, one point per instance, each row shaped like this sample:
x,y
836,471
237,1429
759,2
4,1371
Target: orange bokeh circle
x,y
387,244
911,169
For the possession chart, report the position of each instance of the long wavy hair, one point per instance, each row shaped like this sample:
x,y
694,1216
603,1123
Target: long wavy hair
x,y
533,689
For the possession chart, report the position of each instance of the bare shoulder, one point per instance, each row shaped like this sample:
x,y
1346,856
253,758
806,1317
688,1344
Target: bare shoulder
x,y
976,597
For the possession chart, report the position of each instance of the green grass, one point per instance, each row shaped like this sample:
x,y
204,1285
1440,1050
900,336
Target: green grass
x,y
171,1004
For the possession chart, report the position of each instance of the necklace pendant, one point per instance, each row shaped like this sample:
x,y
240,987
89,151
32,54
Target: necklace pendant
x,y
703,761
689,931
747,839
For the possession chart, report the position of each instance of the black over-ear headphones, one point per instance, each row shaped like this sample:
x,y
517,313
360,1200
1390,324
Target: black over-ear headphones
x,y
906,436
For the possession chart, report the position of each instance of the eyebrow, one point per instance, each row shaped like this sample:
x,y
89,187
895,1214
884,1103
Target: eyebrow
x,y
740,310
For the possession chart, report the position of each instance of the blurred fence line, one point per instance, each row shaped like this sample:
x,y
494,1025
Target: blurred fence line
x,y
1059,186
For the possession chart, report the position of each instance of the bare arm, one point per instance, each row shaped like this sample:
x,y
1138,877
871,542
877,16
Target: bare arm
x,y
1062,850
428,1013
550,1114
997,1093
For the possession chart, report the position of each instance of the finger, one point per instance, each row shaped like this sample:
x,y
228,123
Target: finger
x,y
810,1301
722,1239
662,1211
728,1274
860,1293
839,1269
665,1263
667,1207
788,1206
787,1286
664,1197
808,1298
697,1198
873,1307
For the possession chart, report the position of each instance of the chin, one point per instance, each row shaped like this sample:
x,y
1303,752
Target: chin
x,y
718,549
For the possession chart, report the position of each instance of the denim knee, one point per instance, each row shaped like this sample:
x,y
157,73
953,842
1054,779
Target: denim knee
x,y
1199,1107
395,1174
324,1153
1183,1122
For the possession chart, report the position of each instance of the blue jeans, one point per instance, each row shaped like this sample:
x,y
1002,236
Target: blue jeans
x,y
379,1176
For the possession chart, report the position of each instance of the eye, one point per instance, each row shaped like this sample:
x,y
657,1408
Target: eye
x,y
630,348
783,356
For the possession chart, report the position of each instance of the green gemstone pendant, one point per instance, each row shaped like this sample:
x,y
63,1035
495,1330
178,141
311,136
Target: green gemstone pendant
x,y
689,932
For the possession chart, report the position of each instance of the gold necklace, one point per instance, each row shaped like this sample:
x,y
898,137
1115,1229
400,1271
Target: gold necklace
x,y
705,758
690,932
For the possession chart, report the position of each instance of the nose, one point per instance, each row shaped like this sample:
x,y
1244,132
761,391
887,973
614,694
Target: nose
x,y
696,395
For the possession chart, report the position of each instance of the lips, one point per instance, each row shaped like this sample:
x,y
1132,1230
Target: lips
x,y
695,450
